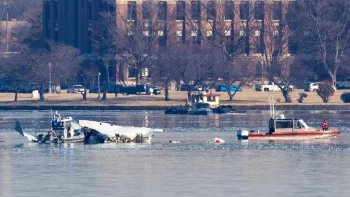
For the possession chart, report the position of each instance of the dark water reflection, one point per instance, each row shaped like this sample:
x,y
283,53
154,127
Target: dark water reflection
x,y
190,168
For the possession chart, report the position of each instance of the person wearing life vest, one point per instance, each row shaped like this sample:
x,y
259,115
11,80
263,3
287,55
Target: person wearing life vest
x,y
51,133
324,125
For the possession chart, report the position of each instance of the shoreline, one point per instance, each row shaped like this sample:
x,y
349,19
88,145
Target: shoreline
x,y
160,108
247,100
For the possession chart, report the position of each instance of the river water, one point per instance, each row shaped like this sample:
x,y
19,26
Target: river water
x,y
192,167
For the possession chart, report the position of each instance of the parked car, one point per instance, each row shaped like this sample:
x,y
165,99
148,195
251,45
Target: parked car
x,y
138,89
154,90
343,84
223,88
191,87
312,87
112,88
75,89
271,87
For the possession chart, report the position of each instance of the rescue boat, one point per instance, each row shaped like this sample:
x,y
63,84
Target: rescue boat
x,y
281,128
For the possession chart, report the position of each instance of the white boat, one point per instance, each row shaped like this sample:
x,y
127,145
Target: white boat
x,y
105,132
281,128
63,129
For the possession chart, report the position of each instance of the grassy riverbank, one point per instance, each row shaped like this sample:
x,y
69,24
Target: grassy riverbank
x,y
248,99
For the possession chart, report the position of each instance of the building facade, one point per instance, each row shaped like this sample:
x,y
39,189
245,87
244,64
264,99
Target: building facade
x,y
187,21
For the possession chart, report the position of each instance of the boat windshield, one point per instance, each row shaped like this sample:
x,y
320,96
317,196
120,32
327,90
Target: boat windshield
x,y
303,124
203,106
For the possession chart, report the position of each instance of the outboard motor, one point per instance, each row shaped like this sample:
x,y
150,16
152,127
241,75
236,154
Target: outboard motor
x,y
242,134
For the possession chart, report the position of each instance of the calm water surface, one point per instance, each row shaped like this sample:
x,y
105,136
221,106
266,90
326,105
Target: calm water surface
x,y
190,168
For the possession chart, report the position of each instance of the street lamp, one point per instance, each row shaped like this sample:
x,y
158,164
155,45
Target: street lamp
x,y
98,85
50,83
262,71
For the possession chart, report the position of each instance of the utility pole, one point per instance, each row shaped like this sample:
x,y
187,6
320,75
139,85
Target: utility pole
x,y
98,85
7,8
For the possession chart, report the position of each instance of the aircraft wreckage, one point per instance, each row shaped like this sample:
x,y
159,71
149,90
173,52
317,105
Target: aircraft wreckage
x,y
65,129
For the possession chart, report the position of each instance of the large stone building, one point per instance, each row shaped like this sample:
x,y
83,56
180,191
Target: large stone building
x,y
71,21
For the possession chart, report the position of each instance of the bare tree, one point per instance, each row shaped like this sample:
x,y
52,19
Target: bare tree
x,y
326,25
194,65
215,24
162,69
87,75
104,44
325,91
138,35
18,8
57,63
14,70
64,62
236,72
271,44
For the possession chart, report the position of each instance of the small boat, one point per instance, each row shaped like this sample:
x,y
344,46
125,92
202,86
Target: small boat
x,y
200,104
288,129
63,129
200,109
281,128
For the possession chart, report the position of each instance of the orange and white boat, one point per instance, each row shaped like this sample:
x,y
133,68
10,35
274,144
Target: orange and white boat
x,y
288,129
281,128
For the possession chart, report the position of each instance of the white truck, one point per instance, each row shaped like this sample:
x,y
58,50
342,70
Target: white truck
x,y
271,87
343,84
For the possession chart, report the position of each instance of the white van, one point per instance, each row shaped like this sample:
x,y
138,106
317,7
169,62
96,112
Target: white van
x,y
343,84
312,87
76,89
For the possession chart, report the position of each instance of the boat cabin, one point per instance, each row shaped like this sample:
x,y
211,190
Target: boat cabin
x,y
62,125
212,100
287,125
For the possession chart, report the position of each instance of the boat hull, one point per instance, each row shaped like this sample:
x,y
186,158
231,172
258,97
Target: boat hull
x,y
301,135
201,112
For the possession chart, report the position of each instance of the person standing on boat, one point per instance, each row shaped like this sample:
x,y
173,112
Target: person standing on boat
x,y
324,125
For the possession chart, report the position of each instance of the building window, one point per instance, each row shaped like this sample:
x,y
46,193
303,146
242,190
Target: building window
x,y
244,10
131,10
211,10
210,33
180,10
277,10
162,39
131,72
179,36
146,10
242,33
195,10
259,10
162,10
229,10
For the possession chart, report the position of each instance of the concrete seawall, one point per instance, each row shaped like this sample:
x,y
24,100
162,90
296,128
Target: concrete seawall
x,y
237,107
